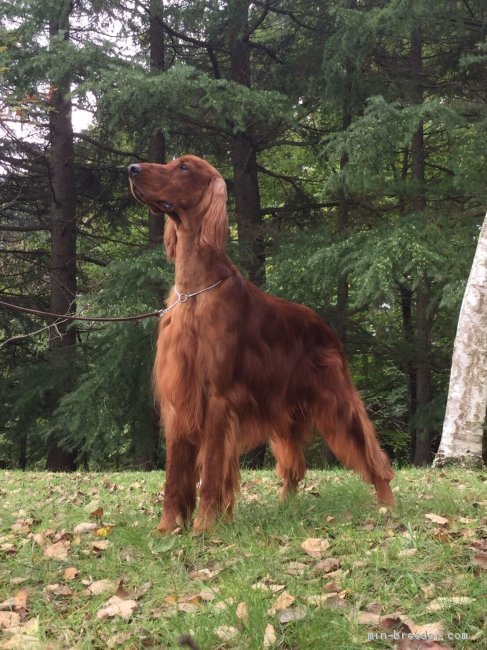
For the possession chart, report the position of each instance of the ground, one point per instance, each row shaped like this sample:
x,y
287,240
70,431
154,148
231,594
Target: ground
x,y
81,566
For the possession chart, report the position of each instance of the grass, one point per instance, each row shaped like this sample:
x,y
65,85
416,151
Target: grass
x,y
388,561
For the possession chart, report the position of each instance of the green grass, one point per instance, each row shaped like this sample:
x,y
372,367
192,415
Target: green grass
x,y
258,546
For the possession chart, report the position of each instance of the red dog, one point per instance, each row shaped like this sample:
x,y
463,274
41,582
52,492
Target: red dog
x,y
236,367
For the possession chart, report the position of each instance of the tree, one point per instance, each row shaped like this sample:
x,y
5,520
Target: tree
x,y
463,428
62,340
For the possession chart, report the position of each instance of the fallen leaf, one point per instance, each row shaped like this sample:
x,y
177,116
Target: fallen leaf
x,y
39,539
58,590
117,607
226,632
243,612
85,528
118,639
70,573
445,602
315,546
480,559
325,566
19,601
269,637
188,608
441,521
407,552
374,608
8,547
57,551
431,630
24,637
9,620
284,601
368,618
324,600
22,526
204,574
292,614
296,568
102,545
99,587
266,586
104,531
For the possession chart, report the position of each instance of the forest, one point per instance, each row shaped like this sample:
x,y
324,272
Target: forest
x,y
352,136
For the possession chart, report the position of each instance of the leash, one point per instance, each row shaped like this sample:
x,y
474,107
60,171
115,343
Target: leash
x,y
159,313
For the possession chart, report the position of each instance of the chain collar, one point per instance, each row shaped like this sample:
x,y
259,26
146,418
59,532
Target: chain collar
x,y
183,297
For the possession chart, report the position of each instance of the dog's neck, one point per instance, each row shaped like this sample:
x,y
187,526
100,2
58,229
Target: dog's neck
x,y
196,266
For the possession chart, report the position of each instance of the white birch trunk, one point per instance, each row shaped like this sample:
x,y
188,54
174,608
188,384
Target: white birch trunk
x,y
461,439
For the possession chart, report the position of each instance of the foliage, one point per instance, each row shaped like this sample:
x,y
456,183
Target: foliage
x,y
332,106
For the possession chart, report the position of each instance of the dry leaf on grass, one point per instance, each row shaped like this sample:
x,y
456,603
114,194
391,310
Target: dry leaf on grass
x,y
100,546
243,612
296,568
269,637
441,521
57,589
117,607
268,586
8,548
19,601
226,632
402,623
205,573
70,573
326,566
22,526
315,546
57,551
39,539
368,618
99,587
9,620
292,614
407,552
325,600
284,601
85,528
104,531
24,637
118,639
446,602
480,560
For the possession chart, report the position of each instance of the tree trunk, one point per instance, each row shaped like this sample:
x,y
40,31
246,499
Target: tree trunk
x,y
63,242
157,143
244,157
422,449
145,434
343,228
246,182
462,435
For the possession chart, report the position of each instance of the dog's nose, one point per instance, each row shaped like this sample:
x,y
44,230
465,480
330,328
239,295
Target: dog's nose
x,y
134,170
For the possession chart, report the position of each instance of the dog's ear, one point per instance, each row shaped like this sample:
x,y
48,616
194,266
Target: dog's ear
x,y
214,225
170,239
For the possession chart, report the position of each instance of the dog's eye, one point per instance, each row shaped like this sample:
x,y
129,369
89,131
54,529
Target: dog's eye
x,y
184,167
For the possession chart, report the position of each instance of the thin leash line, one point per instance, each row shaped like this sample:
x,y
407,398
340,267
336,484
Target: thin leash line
x,y
182,297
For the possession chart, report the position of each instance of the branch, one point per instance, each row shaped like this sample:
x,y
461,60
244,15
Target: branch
x,y
96,143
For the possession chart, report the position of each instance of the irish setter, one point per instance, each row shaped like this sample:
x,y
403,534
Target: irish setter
x,y
235,366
